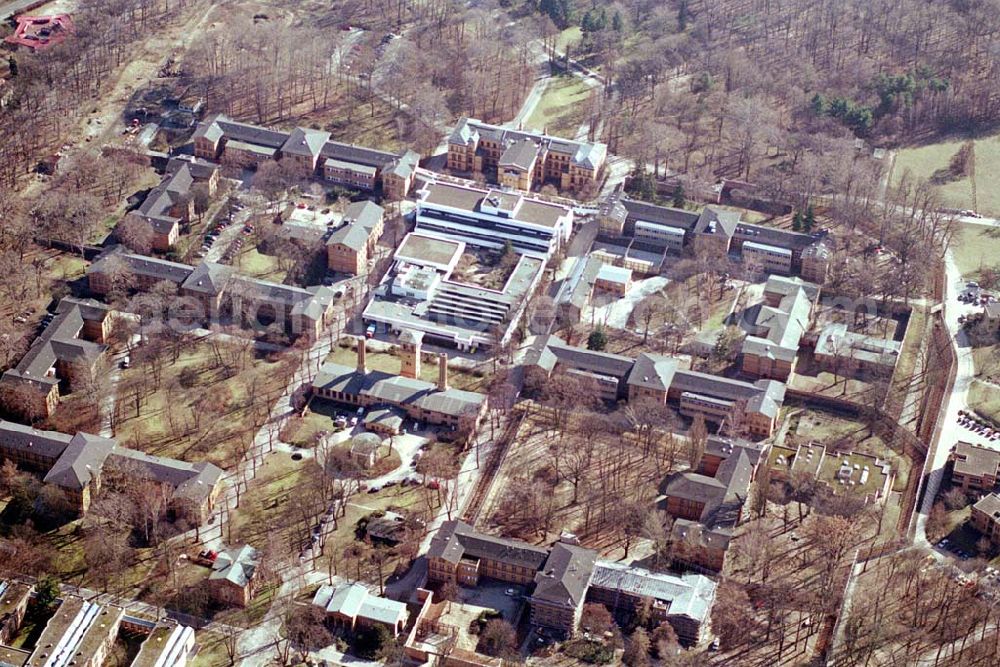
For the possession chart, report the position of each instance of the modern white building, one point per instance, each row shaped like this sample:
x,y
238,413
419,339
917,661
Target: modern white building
x,y
492,218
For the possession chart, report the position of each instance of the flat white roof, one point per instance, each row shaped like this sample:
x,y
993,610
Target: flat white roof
x,y
614,274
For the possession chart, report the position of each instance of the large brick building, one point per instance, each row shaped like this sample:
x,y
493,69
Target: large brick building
x,y
350,246
300,311
523,159
733,404
565,576
639,227
73,343
707,503
79,464
244,146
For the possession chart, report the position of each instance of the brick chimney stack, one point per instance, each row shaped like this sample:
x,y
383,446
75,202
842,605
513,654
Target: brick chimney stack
x,y
362,364
443,372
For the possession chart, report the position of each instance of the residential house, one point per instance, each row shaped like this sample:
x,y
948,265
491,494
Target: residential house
x,y
235,576
352,607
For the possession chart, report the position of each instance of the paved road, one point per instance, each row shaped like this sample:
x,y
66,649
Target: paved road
x,y
951,432
9,9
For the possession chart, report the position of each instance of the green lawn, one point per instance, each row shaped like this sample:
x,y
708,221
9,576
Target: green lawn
x,y
563,107
987,360
303,431
569,37
925,161
984,398
976,246
175,432
257,265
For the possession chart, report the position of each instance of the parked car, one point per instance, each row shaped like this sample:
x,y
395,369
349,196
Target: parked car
x,y
370,331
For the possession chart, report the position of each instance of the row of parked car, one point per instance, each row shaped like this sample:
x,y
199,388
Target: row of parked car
x,y
976,424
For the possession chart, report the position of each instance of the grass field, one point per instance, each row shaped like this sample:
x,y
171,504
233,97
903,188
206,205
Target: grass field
x,y
167,425
563,107
976,246
984,398
925,161
258,265
569,37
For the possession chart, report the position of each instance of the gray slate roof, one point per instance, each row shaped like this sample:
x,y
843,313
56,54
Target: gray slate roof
x,y
398,390
564,578
236,565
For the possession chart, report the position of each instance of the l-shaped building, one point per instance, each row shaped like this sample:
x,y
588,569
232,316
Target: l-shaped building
x,y
565,576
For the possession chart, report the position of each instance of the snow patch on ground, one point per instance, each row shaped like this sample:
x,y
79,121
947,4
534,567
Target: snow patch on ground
x,y
614,314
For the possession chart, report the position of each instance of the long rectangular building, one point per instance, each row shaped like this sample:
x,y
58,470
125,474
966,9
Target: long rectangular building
x,y
493,218
733,404
242,145
717,231
75,464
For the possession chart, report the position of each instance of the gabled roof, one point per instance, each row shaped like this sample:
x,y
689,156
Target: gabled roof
x,y
366,213
717,221
354,237
305,142
398,390
82,459
564,578
209,278
520,154
653,371
456,539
